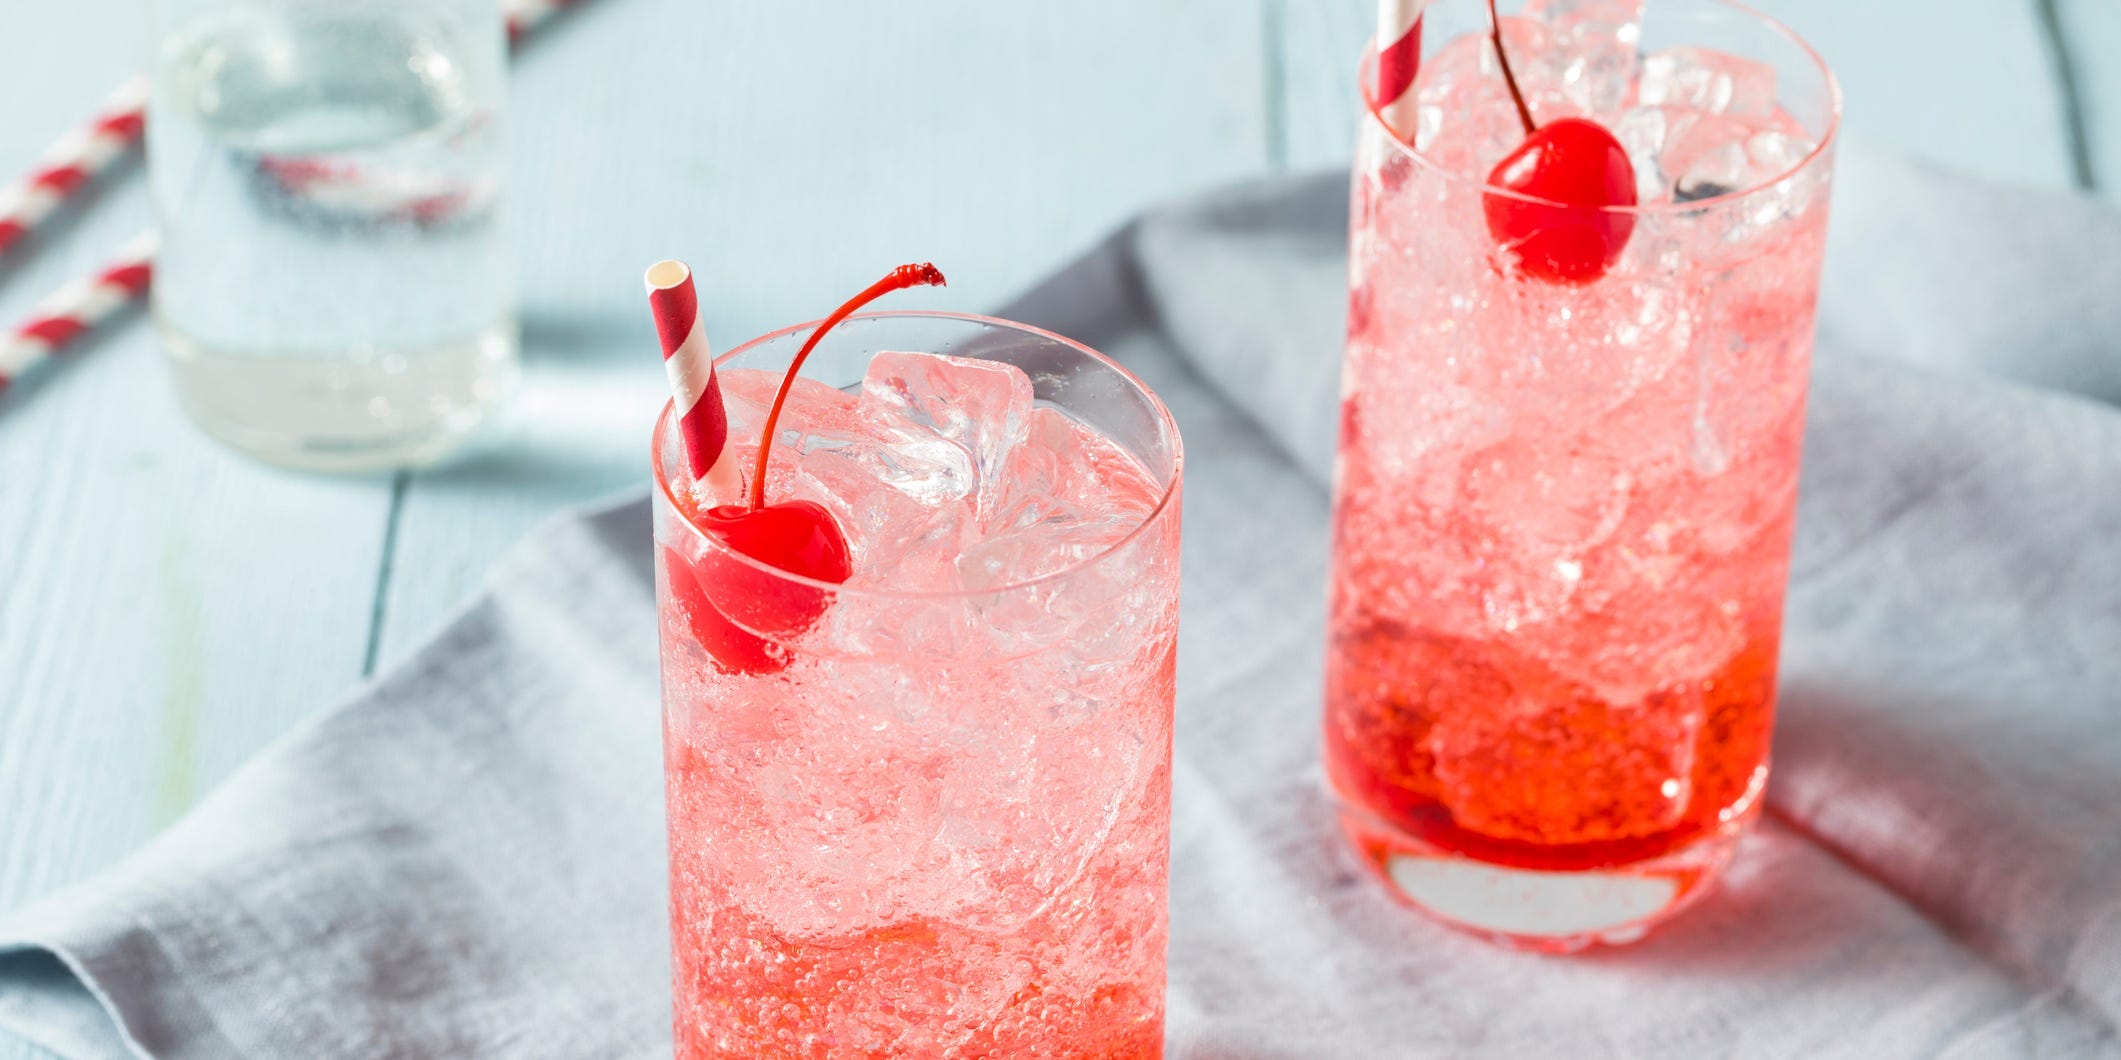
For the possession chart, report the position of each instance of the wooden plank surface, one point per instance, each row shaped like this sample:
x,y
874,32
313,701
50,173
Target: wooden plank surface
x,y
167,608
2091,34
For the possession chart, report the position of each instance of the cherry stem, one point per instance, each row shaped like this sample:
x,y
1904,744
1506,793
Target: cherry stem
x,y
898,279
1524,113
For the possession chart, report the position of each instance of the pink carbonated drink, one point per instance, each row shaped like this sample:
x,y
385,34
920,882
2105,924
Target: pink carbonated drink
x,y
1566,486
934,819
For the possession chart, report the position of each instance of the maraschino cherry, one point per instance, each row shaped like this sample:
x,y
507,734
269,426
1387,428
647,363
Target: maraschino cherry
x,y
1566,173
725,599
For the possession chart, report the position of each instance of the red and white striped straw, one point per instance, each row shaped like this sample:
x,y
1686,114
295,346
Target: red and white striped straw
x,y
703,421
71,163
77,307
1398,60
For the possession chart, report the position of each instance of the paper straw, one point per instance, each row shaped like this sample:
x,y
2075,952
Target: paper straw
x,y
1398,60
74,309
703,422
70,164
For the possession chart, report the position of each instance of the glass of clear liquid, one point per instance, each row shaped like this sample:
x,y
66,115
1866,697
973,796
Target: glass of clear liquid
x,y
333,282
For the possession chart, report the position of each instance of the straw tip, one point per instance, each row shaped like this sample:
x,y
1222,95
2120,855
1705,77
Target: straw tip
x,y
666,274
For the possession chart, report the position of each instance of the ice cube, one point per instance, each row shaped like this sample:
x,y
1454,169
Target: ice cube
x,y
812,407
1708,80
1646,132
1685,155
1066,495
1598,47
900,506
1466,121
1067,469
815,417
1774,153
1061,536
1723,156
1719,171
1549,497
883,476
1069,496
983,406
889,481
915,461
1449,422
1597,77
1707,158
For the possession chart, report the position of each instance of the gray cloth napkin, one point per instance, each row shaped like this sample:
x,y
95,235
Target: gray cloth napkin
x,y
466,858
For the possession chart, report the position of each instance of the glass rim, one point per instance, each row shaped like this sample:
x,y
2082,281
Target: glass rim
x,y
1155,514
1375,118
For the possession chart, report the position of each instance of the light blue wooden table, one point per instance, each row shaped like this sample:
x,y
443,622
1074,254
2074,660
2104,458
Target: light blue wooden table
x,y
167,608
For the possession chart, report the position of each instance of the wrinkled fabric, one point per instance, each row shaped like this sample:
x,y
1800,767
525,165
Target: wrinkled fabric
x,y
466,858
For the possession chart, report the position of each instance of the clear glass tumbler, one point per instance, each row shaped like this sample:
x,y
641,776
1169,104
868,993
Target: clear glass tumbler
x,y
939,824
332,283
1563,510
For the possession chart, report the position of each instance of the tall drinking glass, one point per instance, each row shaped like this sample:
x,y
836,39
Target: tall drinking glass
x,y
1563,510
928,823
332,284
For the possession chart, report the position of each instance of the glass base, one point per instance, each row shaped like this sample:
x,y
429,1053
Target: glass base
x,y
1542,911
360,410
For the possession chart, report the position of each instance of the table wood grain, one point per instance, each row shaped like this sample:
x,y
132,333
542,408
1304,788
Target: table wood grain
x,y
168,608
